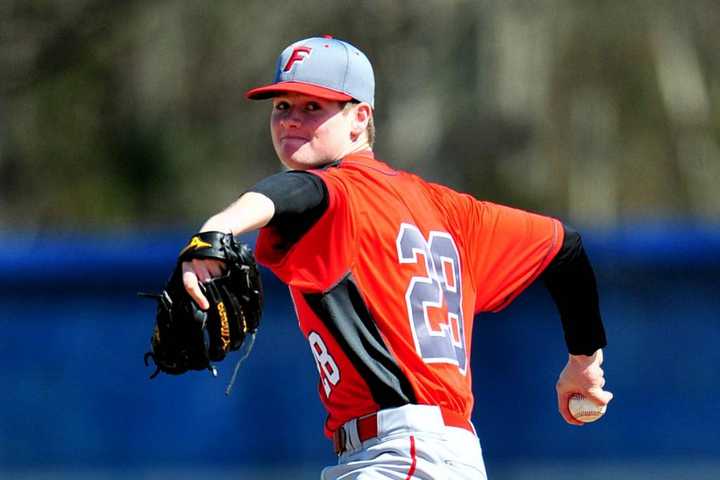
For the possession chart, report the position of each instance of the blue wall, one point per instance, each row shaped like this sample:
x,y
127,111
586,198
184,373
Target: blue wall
x,y
76,394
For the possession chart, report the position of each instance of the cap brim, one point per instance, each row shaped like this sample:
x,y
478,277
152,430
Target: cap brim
x,y
269,91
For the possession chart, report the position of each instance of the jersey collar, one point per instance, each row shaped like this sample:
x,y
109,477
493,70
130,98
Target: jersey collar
x,y
365,158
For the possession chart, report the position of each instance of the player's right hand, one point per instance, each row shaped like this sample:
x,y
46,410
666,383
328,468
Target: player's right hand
x,y
200,271
582,375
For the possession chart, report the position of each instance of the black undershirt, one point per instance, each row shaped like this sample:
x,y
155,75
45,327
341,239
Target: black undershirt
x,y
301,198
571,282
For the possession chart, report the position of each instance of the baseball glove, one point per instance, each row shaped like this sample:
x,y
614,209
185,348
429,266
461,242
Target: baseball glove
x,y
188,338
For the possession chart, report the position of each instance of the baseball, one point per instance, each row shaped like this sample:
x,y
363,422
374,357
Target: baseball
x,y
585,410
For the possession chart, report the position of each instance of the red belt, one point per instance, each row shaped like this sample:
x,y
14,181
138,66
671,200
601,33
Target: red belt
x,y
367,428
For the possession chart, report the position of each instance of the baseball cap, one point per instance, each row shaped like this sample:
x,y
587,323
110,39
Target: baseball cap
x,y
323,67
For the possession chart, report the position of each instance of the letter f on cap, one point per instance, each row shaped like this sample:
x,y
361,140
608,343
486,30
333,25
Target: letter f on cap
x,y
298,55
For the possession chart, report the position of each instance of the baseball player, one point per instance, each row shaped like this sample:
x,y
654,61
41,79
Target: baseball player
x,y
386,272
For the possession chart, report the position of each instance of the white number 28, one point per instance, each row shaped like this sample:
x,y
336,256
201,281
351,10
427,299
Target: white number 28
x,y
327,368
441,284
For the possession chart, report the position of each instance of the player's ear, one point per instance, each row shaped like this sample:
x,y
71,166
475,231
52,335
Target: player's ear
x,y
361,114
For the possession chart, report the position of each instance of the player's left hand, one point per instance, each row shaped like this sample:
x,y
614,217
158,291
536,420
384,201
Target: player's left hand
x,y
582,375
198,271
190,334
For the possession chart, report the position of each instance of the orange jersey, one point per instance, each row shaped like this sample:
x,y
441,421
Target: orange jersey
x,y
387,282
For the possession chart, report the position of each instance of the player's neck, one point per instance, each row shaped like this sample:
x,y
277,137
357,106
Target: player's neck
x,y
357,147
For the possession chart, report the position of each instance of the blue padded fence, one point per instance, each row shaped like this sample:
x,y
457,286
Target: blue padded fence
x,y
76,393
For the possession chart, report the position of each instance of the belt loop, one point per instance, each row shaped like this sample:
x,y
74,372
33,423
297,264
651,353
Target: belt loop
x,y
352,436
339,441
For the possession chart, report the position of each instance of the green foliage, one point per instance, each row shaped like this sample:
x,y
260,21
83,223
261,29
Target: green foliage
x,y
131,114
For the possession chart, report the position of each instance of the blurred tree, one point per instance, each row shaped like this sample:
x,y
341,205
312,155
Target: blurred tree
x,y
125,115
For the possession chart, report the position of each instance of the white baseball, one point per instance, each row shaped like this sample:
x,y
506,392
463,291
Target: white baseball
x,y
585,410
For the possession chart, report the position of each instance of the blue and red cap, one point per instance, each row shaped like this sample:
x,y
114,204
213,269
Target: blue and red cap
x,y
323,67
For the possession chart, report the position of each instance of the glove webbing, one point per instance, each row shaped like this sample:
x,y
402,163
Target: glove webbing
x,y
211,368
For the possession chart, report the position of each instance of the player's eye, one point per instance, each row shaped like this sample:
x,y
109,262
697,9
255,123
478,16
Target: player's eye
x,y
312,106
282,105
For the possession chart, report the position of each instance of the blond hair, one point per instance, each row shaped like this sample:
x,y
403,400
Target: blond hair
x,y
370,130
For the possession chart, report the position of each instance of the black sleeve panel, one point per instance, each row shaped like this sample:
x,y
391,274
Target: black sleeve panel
x,y
344,312
300,199
571,282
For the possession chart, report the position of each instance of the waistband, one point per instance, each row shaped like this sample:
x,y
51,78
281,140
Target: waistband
x,y
408,418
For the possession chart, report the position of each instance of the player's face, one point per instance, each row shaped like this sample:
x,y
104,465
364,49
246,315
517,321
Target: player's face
x,y
308,132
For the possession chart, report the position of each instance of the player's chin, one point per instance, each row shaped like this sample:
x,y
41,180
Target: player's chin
x,y
300,160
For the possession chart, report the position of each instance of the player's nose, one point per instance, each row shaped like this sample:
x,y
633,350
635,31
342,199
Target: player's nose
x,y
292,118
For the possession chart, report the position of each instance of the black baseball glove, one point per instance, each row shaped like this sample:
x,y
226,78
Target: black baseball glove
x,y
188,338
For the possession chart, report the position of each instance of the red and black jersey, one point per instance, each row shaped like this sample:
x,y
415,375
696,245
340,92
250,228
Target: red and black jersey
x,y
387,281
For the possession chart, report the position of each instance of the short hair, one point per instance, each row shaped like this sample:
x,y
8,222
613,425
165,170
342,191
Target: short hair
x,y
370,130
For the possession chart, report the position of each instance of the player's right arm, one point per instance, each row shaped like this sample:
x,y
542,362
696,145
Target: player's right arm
x,y
511,248
571,281
290,201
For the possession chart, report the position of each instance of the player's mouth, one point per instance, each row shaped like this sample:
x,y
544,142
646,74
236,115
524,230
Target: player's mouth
x,y
293,138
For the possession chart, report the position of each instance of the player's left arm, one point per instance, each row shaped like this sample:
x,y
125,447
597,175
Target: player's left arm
x,y
570,280
291,202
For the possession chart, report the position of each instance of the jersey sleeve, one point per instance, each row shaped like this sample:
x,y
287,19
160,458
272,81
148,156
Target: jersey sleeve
x,y
319,257
506,248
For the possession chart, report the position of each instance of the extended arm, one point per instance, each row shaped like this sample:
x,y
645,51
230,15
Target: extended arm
x,y
291,202
571,282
